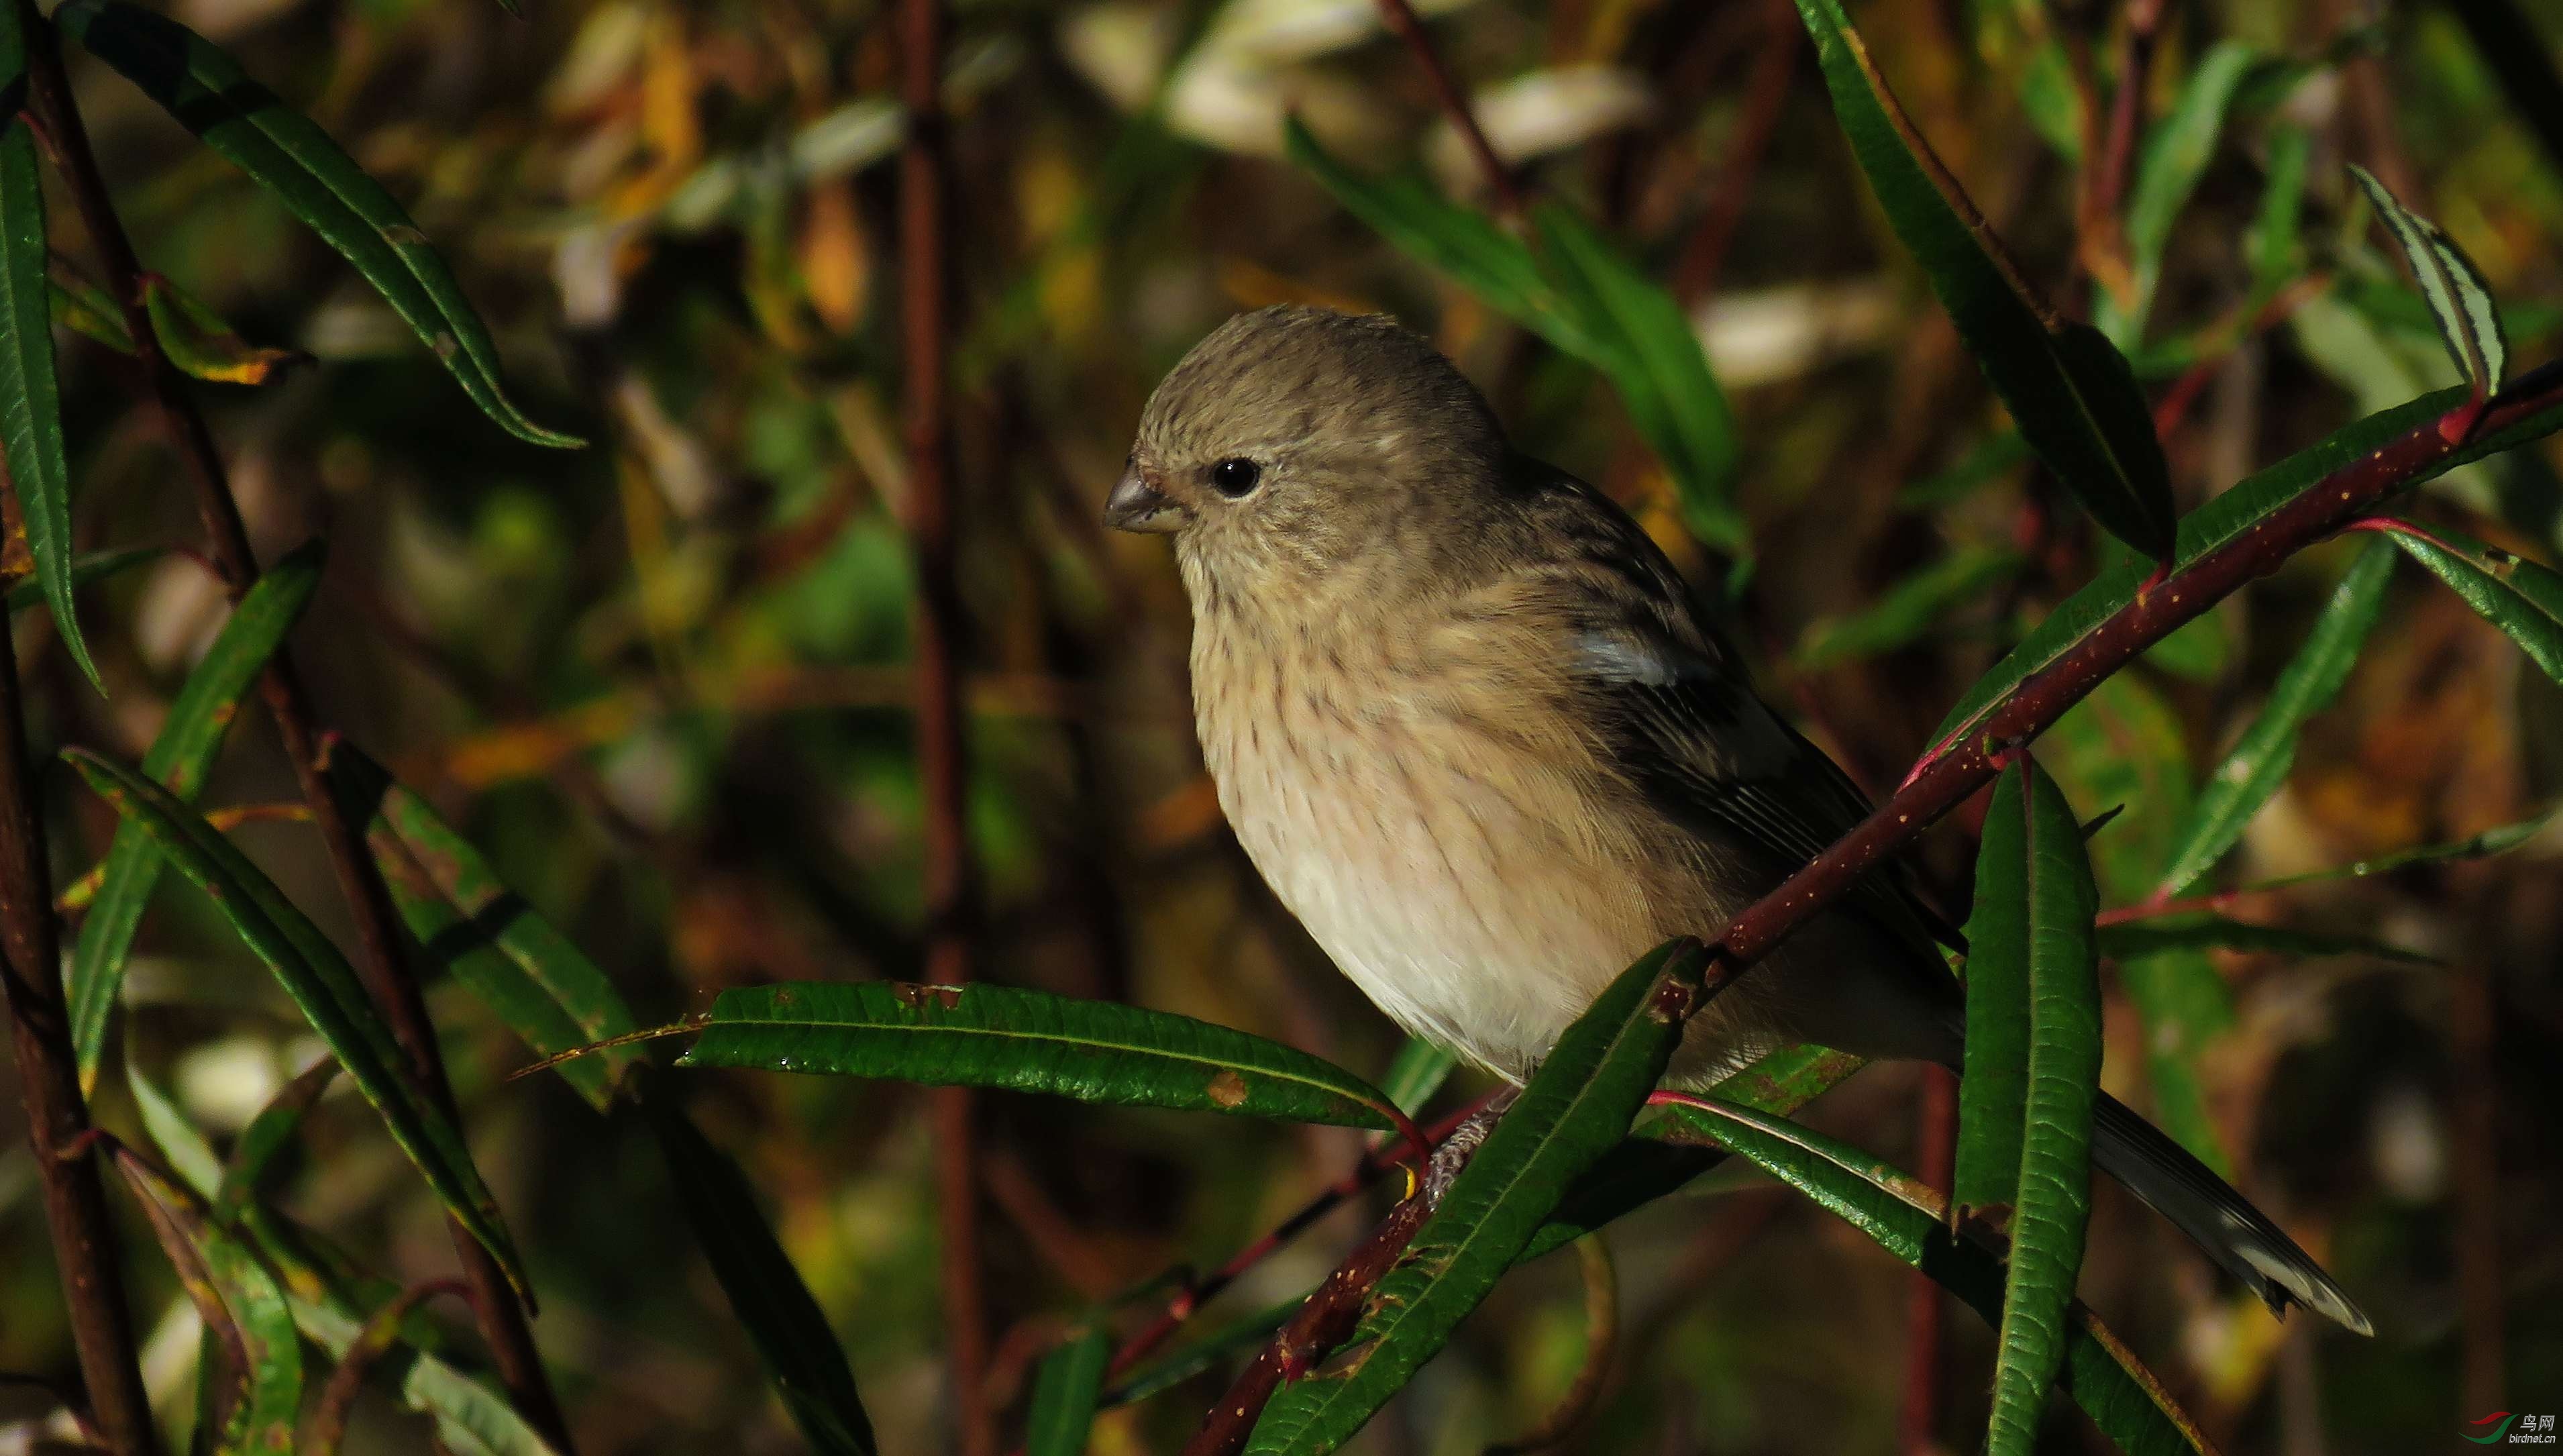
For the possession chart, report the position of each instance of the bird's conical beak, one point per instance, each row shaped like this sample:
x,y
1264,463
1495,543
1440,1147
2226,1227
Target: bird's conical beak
x,y
1137,506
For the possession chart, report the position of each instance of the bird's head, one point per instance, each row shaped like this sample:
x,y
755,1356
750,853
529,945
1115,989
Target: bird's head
x,y
1296,444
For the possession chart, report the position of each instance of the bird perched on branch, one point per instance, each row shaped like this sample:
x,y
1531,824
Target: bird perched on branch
x,y
1472,728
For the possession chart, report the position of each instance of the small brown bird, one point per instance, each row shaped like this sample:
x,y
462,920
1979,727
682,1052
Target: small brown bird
x,y
1472,728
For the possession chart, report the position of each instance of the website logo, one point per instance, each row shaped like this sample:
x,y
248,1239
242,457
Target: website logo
x,y
2516,1430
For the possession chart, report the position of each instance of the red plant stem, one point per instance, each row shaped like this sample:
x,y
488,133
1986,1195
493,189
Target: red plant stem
x,y
1956,769
57,1125
2475,1114
1704,254
943,765
1509,201
1317,1328
1197,1293
1918,1420
394,992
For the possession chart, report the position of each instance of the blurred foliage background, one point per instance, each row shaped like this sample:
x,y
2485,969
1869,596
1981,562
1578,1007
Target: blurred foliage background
x,y
662,681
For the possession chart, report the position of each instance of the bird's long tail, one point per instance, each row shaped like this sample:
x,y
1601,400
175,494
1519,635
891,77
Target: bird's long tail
x,y
2234,1234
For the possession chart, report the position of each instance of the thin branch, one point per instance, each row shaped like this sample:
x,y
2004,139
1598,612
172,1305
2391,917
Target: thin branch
x,y
1510,204
388,982
924,183
1918,1419
57,1125
1766,93
2103,226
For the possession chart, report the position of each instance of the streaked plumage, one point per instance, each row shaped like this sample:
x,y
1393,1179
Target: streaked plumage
x,y
1469,724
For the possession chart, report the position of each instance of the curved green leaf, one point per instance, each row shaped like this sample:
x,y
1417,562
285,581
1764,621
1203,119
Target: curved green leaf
x,y
244,1310
2032,1072
2259,761
2067,388
1030,1041
2498,840
179,757
1576,1108
2176,154
1910,1221
1910,609
1418,1072
31,405
320,982
2224,518
471,1419
2460,303
268,1135
2515,595
293,158
791,1333
2134,939
1065,1393
93,567
517,963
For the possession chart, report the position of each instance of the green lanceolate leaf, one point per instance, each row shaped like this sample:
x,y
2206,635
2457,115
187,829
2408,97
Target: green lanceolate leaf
x,y
2278,257
1580,294
1065,1390
179,757
1030,1041
243,1306
2499,840
2183,1005
1664,378
471,1419
1641,1170
1911,607
2134,939
517,963
1576,1108
2032,1072
293,158
268,1135
792,1335
202,343
2228,516
2067,388
2460,303
2176,154
2516,595
321,984
1910,1221
2258,762
93,567
1418,1072
31,405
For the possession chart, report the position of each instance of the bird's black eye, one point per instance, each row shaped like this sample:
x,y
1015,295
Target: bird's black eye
x,y
1236,476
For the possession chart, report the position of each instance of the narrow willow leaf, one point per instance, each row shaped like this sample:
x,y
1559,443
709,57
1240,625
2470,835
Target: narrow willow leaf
x,y
1418,1072
93,567
1910,1221
2067,388
85,308
243,1307
1641,1170
1580,294
1666,382
2499,840
791,1333
517,963
2460,303
181,1146
189,740
2125,751
202,343
2278,257
2184,1005
2032,1072
31,405
2516,595
320,982
2134,939
1911,607
1064,1394
1576,1108
268,1135
2225,517
471,1419
2176,154
1030,1041
293,158
2259,761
